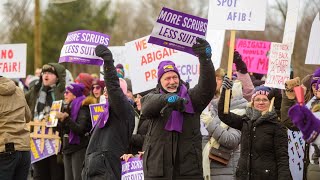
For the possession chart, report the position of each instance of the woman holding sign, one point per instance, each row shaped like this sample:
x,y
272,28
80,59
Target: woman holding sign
x,y
76,125
264,142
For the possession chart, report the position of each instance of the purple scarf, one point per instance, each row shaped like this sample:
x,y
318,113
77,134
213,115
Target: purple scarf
x,y
175,120
75,107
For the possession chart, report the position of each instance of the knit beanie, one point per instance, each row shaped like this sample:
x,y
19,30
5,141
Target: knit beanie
x,y
166,66
260,90
49,68
76,89
316,76
120,70
86,79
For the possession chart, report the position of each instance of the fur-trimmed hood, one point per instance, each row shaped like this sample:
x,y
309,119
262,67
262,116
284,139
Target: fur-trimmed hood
x,y
89,100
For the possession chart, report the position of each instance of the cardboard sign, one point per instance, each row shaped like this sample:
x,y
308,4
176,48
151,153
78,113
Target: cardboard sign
x,y
145,58
254,54
13,59
296,146
49,149
313,51
178,30
238,15
132,170
95,111
79,47
279,65
55,108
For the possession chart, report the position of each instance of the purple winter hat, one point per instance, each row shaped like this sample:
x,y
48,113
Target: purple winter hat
x,y
166,66
316,76
76,89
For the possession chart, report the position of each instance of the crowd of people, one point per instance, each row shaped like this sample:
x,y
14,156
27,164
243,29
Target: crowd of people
x,y
179,132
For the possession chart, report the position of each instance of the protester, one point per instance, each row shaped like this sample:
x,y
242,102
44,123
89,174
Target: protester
x,y
76,125
264,141
14,134
222,144
97,89
50,88
172,147
111,136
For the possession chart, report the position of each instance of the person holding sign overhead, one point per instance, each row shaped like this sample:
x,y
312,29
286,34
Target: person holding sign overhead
x,y
264,141
172,145
111,135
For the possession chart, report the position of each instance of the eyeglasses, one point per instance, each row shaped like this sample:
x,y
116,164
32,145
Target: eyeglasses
x,y
261,100
96,87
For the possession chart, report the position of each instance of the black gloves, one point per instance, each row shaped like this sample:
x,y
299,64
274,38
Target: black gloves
x,y
227,83
240,65
202,49
103,52
176,102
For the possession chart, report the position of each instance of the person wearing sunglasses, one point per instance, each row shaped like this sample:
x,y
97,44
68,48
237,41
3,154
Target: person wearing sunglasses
x,y
264,140
97,89
75,123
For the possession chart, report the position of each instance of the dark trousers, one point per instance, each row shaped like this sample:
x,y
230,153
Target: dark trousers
x,y
48,169
73,164
15,165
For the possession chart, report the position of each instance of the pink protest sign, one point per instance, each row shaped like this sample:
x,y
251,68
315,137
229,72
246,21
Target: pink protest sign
x,y
254,54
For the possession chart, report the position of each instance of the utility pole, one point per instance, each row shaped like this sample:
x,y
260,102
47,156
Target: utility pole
x,y
37,36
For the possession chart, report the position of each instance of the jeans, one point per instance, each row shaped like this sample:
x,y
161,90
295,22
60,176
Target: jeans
x,y
15,165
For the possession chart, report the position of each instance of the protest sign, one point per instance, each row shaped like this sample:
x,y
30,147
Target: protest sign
x,y
296,154
79,47
55,108
313,51
95,111
254,54
145,58
49,149
238,15
290,27
178,30
119,57
278,66
13,60
132,170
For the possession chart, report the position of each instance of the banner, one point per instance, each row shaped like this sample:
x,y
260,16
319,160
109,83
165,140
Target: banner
x,y
254,54
132,170
238,15
55,108
95,111
145,58
13,59
79,47
313,51
279,65
49,149
178,30
119,57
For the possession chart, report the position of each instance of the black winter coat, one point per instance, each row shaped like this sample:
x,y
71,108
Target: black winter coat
x,y
169,154
107,144
264,144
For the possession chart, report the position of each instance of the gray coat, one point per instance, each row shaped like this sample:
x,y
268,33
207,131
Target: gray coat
x,y
228,139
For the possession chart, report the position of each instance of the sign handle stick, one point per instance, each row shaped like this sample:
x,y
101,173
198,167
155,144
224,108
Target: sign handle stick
x,y
229,70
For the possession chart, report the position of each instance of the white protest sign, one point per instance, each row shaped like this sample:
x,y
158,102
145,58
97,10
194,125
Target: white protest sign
x,y
313,51
13,59
238,15
290,27
279,65
296,154
143,59
119,57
